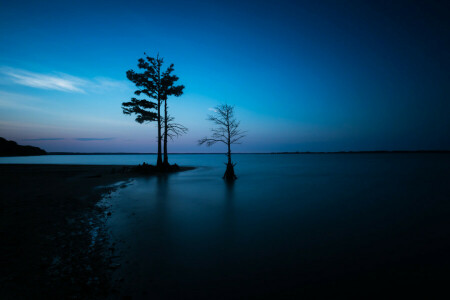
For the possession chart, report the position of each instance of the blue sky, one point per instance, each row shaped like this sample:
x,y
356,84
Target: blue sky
x,y
306,76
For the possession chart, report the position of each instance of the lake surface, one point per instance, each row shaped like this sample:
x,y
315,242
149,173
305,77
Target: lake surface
x,y
291,225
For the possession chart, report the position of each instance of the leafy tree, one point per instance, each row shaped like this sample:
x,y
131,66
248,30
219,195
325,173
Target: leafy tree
x,y
157,86
142,110
226,131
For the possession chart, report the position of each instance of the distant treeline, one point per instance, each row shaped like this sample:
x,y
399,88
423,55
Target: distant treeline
x,y
11,148
366,152
308,152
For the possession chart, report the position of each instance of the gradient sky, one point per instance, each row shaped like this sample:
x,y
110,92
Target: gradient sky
x,y
303,76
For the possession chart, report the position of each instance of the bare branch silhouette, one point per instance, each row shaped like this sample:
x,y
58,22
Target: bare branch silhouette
x,y
174,130
227,131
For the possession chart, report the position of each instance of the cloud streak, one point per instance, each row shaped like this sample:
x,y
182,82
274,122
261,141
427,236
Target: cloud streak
x,y
94,139
44,139
76,139
60,81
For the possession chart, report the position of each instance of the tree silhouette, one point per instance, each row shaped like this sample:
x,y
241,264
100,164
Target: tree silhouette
x,y
157,86
227,131
169,89
172,129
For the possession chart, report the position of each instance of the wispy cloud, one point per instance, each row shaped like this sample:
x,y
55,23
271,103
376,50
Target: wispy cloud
x,y
212,109
21,102
44,139
94,139
102,84
76,139
60,81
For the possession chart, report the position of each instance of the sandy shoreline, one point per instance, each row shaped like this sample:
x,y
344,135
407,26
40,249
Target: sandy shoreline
x,y
47,215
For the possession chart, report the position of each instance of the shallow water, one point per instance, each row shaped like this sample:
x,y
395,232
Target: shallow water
x,y
290,225
115,159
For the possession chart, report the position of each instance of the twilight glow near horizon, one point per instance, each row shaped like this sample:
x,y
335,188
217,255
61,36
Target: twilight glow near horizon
x,y
325,76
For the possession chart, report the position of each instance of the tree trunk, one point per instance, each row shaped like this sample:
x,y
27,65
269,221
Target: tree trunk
x,y
229,172
166,157
229,153
159,159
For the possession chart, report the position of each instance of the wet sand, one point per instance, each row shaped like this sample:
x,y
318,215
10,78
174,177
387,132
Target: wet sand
x,y
51,228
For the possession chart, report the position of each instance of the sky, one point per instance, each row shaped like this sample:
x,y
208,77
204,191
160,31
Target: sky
x,y
302,75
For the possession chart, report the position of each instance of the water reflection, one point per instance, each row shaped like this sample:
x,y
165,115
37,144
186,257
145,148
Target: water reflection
x,y
194,233
229,225
161,235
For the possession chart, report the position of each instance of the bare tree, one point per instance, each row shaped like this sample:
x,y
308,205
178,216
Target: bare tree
x,y
227,131
173,129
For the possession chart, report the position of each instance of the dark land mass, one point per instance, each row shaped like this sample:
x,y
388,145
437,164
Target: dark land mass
x,y
11,148
52,229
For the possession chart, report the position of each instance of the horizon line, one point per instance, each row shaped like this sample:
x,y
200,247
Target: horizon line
x,y
281,152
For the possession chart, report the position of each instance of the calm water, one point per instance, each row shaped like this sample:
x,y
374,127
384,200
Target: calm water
x,y
290,225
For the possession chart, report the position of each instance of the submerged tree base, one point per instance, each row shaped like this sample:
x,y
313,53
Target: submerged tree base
x,y
229,173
